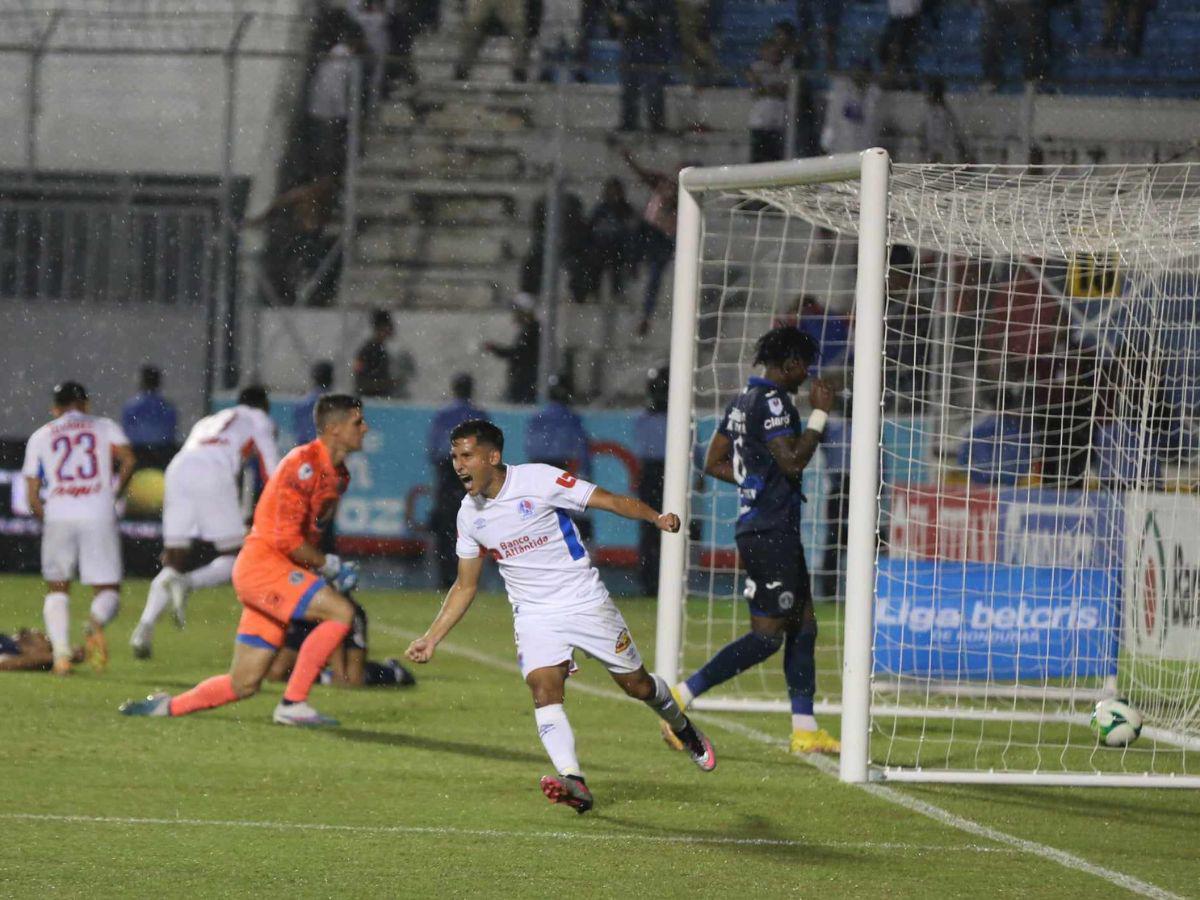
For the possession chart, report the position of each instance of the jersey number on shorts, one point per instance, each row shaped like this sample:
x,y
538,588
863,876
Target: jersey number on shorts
x,y
88,468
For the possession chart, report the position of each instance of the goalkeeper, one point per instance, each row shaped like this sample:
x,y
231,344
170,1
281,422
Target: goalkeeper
x,y
281,575
762,447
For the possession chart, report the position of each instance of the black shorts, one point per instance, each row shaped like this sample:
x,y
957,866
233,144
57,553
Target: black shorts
x,y
299,629
776,575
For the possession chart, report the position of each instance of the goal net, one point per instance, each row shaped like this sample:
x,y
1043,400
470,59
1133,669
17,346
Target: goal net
x,y
1018,349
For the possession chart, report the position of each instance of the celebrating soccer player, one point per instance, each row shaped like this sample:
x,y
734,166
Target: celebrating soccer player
x,y
200,501
280,575
761,447
519,515
73,458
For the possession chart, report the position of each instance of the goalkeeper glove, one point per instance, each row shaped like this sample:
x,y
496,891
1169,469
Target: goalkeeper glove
x,y
342,575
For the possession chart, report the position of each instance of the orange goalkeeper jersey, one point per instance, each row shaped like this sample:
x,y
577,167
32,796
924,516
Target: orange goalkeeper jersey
x,y
300,499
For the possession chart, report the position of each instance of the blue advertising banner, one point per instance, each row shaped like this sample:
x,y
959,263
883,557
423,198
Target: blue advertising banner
x,y
976,621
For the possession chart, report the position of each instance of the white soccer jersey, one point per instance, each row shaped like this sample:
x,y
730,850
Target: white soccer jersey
x,y
527,531
73,456
233,436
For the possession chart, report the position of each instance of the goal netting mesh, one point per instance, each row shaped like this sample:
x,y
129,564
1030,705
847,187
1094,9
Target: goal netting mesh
x,y
1038,535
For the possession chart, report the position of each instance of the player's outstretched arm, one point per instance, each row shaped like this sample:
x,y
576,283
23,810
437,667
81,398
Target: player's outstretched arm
x,y
458,600
126,463
632,508
794,452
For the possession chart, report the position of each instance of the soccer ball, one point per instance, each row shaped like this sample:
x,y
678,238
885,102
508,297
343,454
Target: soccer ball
x,y
1116,722
144,495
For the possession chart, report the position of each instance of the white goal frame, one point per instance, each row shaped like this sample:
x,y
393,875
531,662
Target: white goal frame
x,y
871,170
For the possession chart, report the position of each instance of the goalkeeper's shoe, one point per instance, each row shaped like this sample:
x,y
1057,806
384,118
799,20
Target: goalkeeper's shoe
x,y
177,590
95,648
301,714
668,736
819,741
568,789
155,705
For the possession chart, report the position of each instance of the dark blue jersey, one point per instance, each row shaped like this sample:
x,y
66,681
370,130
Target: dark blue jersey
x,y
767,499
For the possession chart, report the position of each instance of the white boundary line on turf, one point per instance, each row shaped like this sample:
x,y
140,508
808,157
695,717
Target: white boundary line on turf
x,y
450,831
829,767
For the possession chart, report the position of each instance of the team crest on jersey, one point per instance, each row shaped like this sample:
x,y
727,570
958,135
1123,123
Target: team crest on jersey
x,y
775,404
786,600
296,577
305,472
525,509
623,641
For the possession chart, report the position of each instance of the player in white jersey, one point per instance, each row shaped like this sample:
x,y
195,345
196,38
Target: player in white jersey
x,y
200,502
519,516
83,463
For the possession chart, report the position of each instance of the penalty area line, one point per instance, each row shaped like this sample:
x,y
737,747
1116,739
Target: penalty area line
x,y
452,831
887,794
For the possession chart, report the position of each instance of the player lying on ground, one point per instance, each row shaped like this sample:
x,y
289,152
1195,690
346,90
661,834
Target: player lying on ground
x,y
200,502
73,458
280,575
348,664
29,650
761,447
519,514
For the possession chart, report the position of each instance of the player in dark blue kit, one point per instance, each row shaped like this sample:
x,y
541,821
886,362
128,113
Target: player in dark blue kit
x,y
762,447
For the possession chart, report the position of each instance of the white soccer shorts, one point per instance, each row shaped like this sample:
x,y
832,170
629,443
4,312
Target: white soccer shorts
x,y
93,549
200,502
548,640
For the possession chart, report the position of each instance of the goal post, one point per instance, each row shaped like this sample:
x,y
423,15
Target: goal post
x,y
1005,535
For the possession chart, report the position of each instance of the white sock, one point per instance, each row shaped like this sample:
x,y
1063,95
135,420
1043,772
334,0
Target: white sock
x,y
684,694
157,599
803,723
58,623
557,738
105,605
664,704
219,571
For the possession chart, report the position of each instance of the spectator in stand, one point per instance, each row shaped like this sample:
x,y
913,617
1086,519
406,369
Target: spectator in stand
x,y
1131,13
655,241
650,441
1021,23
522,354
327,106
823,53
851,112
447,489
304,427
897,49
649,32
612,227
373,374
556,437
699,58
148,418
372,18
297,245
511,15
768,79
592,14
798,61
941,136
573,244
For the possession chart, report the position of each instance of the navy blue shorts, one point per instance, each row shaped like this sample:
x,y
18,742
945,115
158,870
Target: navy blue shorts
x,y
777,583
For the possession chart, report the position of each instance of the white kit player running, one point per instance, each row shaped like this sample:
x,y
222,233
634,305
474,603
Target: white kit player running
x,y
200,502
519,515
84,463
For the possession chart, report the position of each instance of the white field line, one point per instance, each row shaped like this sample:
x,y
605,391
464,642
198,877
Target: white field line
x,y
451,831
830,767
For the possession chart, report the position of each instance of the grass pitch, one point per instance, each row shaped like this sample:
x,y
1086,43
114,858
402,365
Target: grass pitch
x,y
432,791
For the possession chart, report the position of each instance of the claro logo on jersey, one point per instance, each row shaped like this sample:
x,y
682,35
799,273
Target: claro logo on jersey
x,y
509,549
